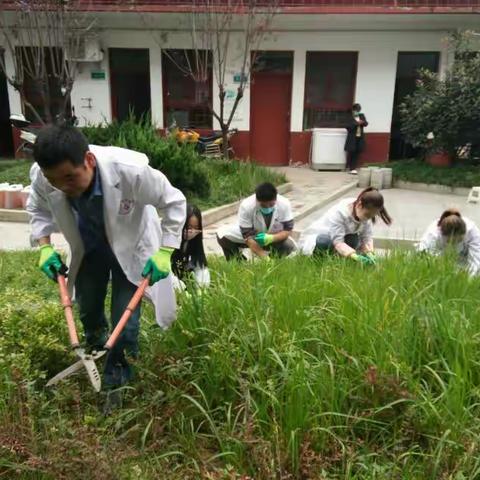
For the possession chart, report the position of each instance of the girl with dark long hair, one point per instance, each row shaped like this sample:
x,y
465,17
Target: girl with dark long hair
x,y
190,259
346,228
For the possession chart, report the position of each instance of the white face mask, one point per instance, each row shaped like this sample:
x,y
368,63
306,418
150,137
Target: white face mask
x,y
191,234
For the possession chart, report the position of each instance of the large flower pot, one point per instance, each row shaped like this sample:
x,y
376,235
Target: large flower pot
x,y
439,159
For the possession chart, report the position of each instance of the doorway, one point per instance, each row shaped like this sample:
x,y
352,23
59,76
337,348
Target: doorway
x,y
408,64
6,136
129,82
270,102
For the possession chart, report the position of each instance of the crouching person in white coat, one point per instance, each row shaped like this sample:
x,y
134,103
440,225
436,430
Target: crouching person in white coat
x,y
265,222
104,201
459,233
346,228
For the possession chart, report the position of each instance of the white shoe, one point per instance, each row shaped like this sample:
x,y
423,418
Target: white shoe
x,y
353,172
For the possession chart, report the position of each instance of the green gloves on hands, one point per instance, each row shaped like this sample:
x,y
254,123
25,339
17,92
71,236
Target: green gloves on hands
x,y
264,239
372,257
50,262
158,265
365,259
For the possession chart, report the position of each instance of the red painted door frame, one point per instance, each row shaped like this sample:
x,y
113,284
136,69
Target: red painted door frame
x,y
261,127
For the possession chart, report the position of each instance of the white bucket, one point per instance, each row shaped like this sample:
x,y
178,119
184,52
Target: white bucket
x,y
387,177
25,194
377,179
364,175
13,196
3,189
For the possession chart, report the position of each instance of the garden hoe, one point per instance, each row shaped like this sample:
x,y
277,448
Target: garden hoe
x,y
88,360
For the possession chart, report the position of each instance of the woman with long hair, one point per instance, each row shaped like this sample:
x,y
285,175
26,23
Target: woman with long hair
x,y
190,259
346,228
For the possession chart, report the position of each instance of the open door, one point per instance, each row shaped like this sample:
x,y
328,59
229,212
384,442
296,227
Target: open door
x,y
6,137
129,82
408,65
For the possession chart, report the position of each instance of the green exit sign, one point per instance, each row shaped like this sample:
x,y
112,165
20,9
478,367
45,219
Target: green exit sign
x,y
237,78
98,75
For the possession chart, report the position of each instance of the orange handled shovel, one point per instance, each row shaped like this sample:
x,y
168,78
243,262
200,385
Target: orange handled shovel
x,y
87,360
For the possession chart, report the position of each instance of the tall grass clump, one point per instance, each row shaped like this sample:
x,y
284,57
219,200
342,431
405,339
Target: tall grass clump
x,y
291,369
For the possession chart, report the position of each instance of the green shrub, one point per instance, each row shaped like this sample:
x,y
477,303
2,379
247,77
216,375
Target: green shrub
x,y
181,164
448,107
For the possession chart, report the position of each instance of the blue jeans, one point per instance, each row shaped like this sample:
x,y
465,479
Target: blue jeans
x,y
91,289
324,243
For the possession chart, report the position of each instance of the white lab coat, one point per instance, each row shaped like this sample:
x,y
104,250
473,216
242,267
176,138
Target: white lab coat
x,y
468,249
249,215
132,191
201,275
336,222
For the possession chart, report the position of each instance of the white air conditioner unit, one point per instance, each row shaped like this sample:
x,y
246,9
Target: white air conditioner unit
x,y
85,50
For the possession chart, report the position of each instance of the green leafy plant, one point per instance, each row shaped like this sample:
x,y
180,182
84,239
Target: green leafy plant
x,y
181,164
443,114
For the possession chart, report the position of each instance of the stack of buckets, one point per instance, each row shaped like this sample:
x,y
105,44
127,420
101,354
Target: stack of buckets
x,y
13,196
375,177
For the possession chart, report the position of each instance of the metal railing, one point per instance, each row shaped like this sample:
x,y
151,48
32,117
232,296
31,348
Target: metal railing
x,y
304,3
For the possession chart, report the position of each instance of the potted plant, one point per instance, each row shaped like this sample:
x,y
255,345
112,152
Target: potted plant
x,y
437,153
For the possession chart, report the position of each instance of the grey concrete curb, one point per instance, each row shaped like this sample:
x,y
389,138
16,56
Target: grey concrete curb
x,y
210,216
213,215
432,188
20,216
385,243
380,243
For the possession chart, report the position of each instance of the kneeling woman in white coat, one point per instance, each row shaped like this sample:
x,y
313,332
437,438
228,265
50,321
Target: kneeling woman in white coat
x,y
190,260
346,228
457,232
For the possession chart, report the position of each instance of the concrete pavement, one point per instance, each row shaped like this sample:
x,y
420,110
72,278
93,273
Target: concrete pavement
x,y
411,211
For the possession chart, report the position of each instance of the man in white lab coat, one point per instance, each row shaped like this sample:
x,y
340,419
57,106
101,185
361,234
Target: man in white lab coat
x,y
265,223
104,200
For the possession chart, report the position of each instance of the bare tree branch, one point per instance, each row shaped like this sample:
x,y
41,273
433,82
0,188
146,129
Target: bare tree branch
x,y
39,35
212,28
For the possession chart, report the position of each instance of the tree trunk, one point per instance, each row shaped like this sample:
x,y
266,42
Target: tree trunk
x,y
225,142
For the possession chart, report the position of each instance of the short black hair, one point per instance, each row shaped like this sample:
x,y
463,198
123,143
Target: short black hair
x,y
57,143
266,192
356,106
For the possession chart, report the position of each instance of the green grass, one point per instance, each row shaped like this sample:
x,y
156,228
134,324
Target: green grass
x,y
307,371
15,171
230,181
233,180
458,175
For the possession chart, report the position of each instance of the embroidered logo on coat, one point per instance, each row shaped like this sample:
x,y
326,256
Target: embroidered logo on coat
x,y
126,206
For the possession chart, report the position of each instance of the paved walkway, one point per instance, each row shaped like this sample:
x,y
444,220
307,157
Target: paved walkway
x,y
411,211
309,188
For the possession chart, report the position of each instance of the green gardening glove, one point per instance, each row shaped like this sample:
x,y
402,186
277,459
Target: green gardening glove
x,y
158,265
372,257
364,260
50,262
264,239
